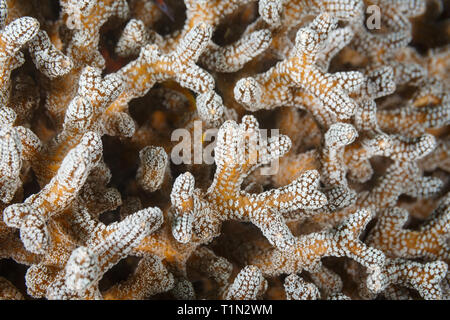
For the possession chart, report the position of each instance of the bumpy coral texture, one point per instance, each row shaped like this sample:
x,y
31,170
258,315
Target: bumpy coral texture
x,y
347,199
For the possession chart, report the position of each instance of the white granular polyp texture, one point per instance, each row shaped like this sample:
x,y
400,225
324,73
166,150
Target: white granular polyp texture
x,y
345,197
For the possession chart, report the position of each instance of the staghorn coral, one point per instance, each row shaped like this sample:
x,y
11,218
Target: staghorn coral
x,y
236,157
309,82
347,198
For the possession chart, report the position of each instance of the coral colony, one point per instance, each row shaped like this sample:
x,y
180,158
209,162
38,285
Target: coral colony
x,y
224,149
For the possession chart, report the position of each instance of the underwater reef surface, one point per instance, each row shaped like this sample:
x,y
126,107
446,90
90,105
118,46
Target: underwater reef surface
x,y
224,149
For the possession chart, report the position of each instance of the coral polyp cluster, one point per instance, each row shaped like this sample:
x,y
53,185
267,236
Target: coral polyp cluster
x,y
135,159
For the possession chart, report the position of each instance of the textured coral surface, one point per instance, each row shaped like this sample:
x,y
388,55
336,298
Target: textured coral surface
x,y
224,149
